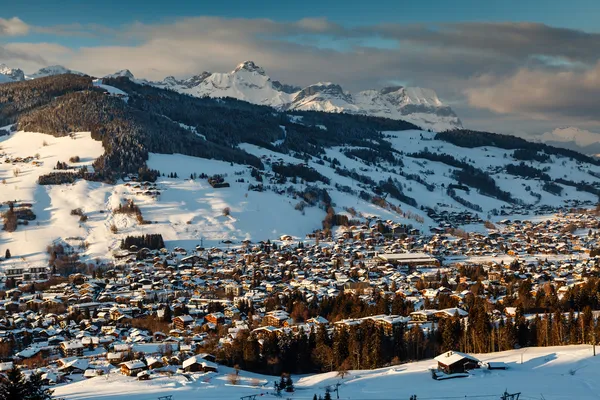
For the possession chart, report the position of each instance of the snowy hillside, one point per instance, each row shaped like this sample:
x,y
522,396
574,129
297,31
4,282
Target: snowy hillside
x,y
551,373
187,210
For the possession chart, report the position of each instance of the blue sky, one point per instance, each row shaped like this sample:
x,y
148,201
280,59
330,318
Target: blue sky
x,y
524,65
580,14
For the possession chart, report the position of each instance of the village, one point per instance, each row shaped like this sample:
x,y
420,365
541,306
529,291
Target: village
x,y
155,311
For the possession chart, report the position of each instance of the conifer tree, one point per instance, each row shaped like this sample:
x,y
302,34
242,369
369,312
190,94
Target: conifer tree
x,y
35,389
13,386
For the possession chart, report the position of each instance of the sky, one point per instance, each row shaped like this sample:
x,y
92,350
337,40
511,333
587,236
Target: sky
x,y
519,67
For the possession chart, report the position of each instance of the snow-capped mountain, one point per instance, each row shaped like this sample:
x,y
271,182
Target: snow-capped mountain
x,y
51,71
122,73
249,82
8,74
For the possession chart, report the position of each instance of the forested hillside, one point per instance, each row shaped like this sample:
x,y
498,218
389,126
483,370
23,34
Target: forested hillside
x,y
163,121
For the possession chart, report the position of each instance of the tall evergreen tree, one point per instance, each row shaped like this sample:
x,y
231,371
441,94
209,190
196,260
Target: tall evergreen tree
x,y
13,387
35,389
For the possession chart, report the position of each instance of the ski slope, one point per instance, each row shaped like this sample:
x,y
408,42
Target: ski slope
x,y
551,373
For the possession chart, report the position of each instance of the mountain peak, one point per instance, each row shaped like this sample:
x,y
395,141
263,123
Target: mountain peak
x,y
390,89
122,73
12,74
249,66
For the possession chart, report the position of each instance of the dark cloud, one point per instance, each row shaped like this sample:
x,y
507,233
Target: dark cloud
x,y
516,40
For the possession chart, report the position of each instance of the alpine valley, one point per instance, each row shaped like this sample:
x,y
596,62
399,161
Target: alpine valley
x,y
261,150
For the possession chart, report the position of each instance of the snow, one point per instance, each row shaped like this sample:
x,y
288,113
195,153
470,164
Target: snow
x,y
52,70
243,84
109,89
250,83
556,373
188,212
51,204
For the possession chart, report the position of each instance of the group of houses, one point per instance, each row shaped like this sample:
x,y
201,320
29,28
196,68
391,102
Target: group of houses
x,y
87,324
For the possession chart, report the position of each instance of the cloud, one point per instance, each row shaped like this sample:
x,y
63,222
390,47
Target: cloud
x,y
13,27
519,41
32,56
495,73
540,94
77,29
580,137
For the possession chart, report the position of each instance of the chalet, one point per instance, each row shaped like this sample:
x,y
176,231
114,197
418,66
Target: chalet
x,y
132,368
72,348
453,362
183,321
76,366
199,364
215,318
153,363
276,318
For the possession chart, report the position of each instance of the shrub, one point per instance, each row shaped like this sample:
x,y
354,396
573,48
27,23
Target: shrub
x,y
227,211
233,378
74,159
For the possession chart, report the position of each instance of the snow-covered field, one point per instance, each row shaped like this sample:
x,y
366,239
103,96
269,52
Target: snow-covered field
x,y
51,204
188,212
551,373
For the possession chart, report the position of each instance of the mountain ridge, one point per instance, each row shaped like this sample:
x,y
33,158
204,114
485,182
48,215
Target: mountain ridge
x,y
250,82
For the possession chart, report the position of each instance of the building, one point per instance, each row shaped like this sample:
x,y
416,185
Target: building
x,y
276,318
199,364
132,368
410,259
183,321
73,348
454,362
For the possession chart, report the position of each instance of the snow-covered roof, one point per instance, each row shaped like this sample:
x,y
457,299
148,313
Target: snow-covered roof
x,y
452,357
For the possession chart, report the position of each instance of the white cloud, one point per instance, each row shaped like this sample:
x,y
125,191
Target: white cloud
x,y
580,137
502,73
13,27
540,93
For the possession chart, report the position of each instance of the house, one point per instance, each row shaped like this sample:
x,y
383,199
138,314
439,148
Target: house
x,y
72,348
454,362
183,321
276,318
199,364
215,318
76,366
153,363
132,368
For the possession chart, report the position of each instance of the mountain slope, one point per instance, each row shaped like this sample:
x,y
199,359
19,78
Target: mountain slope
x,y
8,74
288,172
250,82
52,71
